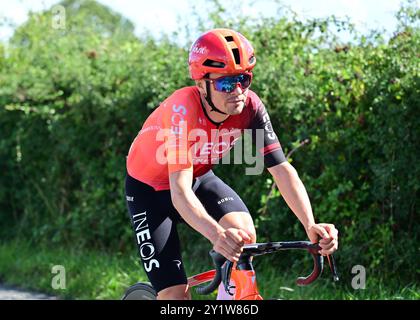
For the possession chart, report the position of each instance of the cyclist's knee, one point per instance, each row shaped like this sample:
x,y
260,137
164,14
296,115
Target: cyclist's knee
x,y
178,292
252,234
250,230
240,220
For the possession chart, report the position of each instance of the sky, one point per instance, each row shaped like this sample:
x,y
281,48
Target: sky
x,y
164,16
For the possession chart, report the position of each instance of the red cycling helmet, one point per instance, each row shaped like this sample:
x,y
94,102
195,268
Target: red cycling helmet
x,y
220,51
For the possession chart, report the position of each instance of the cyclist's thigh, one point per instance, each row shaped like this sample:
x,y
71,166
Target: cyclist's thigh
x,y
154,220
223,203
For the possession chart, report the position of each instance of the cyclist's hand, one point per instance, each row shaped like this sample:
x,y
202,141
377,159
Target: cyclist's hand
x,y
328,234
230,242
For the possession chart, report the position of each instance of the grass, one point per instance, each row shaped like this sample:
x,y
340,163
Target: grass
x,y
89,274
102,275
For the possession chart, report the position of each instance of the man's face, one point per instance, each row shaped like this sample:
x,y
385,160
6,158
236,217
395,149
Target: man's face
x,y
229,102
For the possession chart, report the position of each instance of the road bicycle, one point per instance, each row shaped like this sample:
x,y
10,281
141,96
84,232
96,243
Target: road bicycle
x,y
239,279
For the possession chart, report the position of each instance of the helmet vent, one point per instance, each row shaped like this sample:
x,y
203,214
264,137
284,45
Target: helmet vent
x,y
236,55
214,64
229,38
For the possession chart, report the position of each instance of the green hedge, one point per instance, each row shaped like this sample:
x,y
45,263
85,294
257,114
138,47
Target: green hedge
x,y
73,99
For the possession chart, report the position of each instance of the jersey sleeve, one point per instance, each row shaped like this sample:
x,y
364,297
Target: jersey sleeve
x,y
177,123
264,137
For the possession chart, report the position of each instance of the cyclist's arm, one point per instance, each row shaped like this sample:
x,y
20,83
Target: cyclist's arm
x,y
227,242
293,192
296,197
189,206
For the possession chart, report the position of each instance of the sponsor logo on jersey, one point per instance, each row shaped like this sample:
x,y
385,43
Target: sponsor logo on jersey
x,y
178,263
267,126
226,199
146,247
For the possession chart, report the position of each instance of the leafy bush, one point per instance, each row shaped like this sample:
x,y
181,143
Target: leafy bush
x,y
73,99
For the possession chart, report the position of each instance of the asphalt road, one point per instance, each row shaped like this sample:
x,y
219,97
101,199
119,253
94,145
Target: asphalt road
x,y
10,293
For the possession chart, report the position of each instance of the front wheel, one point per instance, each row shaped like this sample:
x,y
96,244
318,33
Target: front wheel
x,y
140,291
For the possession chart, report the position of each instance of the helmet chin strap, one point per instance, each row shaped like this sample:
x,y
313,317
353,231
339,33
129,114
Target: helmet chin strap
x,y
209,101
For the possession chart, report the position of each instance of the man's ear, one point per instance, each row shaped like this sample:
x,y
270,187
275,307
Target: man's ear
x,y
201,86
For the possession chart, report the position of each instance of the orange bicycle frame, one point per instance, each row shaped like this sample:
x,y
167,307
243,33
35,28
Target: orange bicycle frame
x,y
245,283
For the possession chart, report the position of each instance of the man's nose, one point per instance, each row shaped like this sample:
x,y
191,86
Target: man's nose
x,y
238,89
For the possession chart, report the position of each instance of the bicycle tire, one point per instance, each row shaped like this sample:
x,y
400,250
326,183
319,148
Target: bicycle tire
x,y
140,291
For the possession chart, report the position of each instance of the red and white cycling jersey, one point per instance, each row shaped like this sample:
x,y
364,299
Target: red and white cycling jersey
x,y
179,135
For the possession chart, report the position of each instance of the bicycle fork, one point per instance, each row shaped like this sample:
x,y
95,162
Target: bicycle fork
x,y
244,278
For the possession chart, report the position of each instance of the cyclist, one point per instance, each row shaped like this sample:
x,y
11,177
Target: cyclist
x,y
169,177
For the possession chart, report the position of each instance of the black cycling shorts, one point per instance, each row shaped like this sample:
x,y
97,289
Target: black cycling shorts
x,y
154,220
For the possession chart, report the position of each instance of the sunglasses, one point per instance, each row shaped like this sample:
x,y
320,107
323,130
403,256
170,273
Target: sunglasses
x,y
229,83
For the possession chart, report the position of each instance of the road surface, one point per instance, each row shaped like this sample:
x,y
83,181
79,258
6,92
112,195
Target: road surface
x,y
11,293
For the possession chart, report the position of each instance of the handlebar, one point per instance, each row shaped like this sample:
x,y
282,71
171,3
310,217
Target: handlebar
x,y
218,261
257,249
